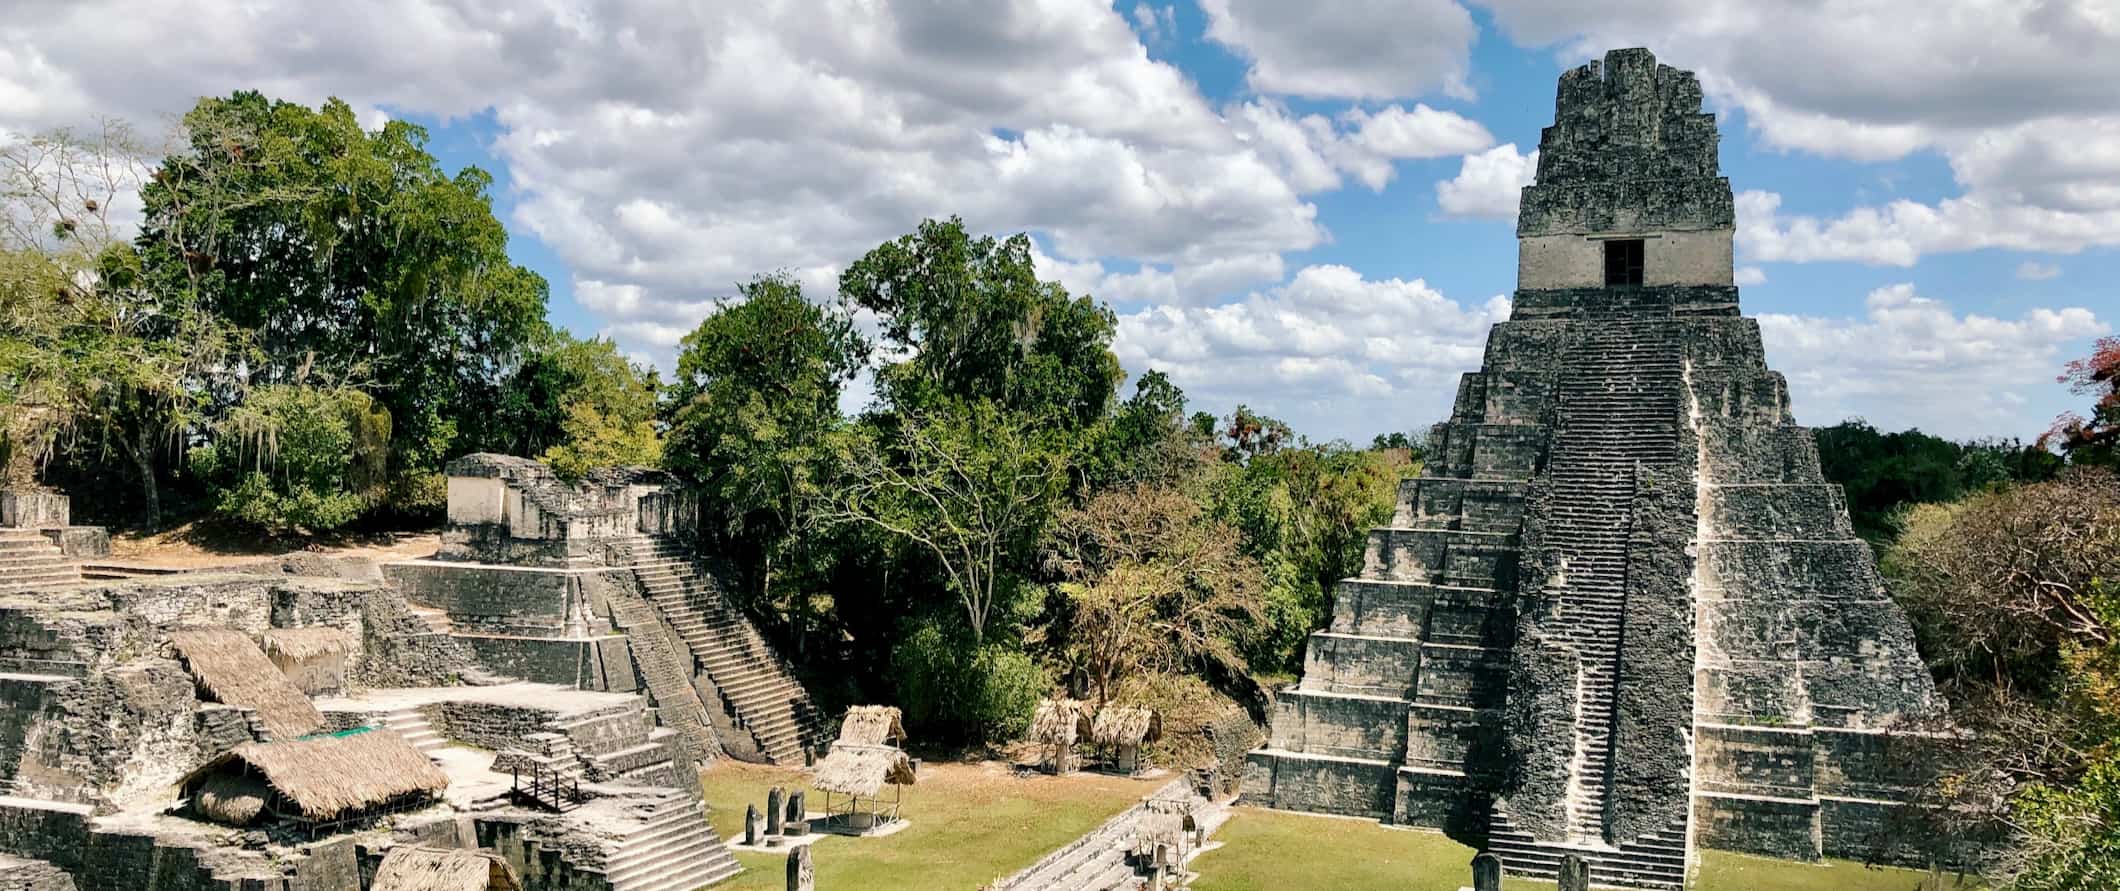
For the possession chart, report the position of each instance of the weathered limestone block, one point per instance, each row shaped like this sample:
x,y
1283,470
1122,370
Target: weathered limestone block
x,y
32,509
80,542
1461,675
776,811
1340,725
1372,666
1754,824
1451,738
751,833
797,812
1437,799
1655,694
1766,761
1320,784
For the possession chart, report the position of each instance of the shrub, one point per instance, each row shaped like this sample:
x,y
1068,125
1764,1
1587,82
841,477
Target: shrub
x,y
296,458
965,693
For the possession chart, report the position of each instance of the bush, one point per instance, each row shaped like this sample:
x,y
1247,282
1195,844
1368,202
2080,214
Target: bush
x,y
294,458
962,693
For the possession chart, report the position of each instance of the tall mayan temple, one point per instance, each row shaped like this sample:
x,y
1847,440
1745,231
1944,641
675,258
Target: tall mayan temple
x,y
1623,615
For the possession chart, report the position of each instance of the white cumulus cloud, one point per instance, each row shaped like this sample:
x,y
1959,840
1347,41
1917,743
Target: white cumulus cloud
x,y
1347,49
1912,361
1488,184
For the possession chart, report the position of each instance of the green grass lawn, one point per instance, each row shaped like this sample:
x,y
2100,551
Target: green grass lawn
x,y
1268,850
971,824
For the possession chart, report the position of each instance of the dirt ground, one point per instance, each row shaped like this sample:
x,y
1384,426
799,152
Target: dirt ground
x,y
194,546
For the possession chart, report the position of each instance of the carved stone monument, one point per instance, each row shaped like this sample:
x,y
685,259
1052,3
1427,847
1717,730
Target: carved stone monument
x,y
1486,873
1624,467
802,874
1575,874
776,811
750,824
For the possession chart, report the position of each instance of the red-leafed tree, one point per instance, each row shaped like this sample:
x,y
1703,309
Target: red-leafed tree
x,y
2097,376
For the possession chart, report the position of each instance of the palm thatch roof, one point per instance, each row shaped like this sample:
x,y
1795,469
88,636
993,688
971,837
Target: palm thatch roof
x,y
1122,725
408,868
1060,721
862,771
232,798
301,644
871,725
320,778
231,669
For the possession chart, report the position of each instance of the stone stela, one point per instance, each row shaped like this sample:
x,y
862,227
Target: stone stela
x,y
1622,614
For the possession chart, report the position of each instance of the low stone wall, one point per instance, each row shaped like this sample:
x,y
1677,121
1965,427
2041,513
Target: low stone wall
x,y
490,599
544,862
33,875
43,830
486,725
598,663
80,542
1750,824
1320,785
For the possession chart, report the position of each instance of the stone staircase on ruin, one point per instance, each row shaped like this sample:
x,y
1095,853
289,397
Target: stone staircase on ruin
x,y
1619,410
665,667
757,688
414,727
1101,859
31,562
674,850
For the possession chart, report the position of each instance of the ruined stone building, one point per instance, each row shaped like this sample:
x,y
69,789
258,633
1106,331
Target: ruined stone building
x,y
1622,615
534,703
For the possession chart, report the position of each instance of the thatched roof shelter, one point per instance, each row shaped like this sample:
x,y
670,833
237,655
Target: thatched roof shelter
x,y
314,780
232,798
1059,722
871,725
1121,725
408,868
863,771
303,644
230,668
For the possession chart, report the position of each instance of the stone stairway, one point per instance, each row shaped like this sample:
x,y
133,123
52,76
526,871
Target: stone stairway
x,y
757,687
414,727
31,562
674,850
1102,860
1655,861
666,669
1619,407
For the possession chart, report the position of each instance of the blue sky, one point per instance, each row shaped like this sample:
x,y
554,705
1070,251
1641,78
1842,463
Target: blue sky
x,y
1305,207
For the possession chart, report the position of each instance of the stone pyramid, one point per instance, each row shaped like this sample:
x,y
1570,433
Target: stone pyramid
x,y
1623,614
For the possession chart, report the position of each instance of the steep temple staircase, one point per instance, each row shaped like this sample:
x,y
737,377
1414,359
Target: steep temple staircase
x,y
1620,404
757,688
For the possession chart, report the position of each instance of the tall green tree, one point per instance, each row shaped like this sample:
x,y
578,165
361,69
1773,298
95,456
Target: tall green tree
x,y
976,323
751,410
970,486
345,256
94,362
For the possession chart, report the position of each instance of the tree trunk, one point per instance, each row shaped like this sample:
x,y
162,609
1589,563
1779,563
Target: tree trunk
x,y
142,454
